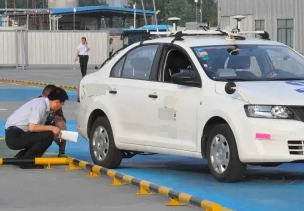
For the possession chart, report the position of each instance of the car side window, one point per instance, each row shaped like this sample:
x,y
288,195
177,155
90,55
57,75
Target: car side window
x,y
117,68
175,62
139,62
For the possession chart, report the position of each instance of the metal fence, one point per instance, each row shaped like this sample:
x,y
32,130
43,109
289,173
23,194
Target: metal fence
x,y
22,48
12,51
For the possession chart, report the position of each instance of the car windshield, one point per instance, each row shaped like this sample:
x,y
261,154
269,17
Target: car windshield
x,y
250,62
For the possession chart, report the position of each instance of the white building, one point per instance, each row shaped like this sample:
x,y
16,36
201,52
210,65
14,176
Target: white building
x,y
117,3
75,3
62,3
282,19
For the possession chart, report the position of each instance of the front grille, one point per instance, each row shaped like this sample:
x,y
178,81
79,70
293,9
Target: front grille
x,y
298,111
296,147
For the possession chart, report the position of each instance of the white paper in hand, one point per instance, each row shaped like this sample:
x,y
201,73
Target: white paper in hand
x,y
69,135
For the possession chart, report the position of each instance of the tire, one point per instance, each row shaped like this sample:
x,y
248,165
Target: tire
x,y
235,169
112,156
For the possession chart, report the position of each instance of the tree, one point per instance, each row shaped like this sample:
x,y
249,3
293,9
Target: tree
x,y
184,9
19,3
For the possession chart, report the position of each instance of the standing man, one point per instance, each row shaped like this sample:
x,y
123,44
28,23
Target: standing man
x,y
25,129
111,47
56,119
83,54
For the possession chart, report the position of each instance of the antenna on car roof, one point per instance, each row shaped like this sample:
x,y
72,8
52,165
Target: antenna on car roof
x,y
155,15
145,17
263,34
174,21
146,36
238,19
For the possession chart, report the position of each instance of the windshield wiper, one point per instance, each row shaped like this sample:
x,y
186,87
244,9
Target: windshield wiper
x,y
233,79
286,79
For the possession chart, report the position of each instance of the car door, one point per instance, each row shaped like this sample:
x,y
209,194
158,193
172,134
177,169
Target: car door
x,y
173,112
130,86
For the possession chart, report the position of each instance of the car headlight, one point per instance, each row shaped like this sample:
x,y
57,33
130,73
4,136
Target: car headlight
x,y
266,111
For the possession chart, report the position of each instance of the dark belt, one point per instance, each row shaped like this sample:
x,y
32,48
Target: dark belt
x,y
12,128
83,55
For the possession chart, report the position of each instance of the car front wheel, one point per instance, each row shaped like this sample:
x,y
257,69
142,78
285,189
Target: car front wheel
x,y
222,155
102,146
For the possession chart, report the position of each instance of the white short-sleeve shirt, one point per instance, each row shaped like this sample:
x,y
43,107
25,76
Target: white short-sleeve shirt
x,y
82,49
34,111
111,48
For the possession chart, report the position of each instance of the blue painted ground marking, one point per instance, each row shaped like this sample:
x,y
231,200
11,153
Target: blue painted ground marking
x,y
26,93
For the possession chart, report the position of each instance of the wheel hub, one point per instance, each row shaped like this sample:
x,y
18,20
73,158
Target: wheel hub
x,y
100,143
219,154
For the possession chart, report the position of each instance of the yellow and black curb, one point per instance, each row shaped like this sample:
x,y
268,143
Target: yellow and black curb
x,y
119,179
146,188
37,84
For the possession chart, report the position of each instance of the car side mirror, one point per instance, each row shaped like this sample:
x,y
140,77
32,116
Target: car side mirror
x,y
184,78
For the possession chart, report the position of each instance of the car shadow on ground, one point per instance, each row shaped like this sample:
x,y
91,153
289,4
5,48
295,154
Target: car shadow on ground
x,y
253,173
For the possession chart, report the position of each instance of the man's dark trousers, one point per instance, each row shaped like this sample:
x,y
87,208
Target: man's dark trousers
x,y
31,144
83,60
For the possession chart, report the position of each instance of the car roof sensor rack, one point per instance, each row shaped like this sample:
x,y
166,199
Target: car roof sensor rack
x,y
264,35
146,36
178,35
231,35
234,34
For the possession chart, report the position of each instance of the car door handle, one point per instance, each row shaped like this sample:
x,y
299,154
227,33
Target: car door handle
x,y
114,92
154,96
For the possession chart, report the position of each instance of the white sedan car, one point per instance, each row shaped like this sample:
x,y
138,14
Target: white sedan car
x,y
232,100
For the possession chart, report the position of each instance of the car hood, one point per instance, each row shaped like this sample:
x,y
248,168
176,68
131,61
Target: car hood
x,y
266,92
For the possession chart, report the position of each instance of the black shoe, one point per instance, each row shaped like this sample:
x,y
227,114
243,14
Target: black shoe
x,y
20,154
31,167
62,155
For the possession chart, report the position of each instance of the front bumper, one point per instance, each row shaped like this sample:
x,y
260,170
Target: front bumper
x,y
270,140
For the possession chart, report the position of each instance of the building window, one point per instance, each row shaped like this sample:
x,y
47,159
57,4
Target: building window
x,y
259,26
285,32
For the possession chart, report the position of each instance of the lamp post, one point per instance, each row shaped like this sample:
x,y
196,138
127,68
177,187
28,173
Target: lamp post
x,y
74,19
201,11
195,10
134,7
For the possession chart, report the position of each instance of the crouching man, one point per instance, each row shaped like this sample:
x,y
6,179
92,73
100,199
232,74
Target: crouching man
x,y
25,129
56,119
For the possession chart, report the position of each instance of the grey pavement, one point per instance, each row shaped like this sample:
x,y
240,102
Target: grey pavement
x,y
63,75
59,189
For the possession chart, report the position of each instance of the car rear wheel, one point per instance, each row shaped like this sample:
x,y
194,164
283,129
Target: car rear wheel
x,y
102,146
222,155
